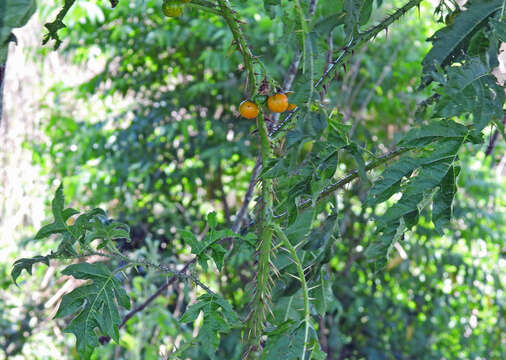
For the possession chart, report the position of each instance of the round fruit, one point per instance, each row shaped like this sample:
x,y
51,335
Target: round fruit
x,y
248,109
172,8
277,103
291,107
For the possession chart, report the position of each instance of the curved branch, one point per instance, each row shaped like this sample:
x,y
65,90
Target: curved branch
x,y
240,40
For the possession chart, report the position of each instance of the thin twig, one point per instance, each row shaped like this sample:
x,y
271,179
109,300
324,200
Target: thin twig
x,y
241,215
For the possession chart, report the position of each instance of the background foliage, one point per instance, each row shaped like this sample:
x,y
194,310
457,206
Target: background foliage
x,y
394,267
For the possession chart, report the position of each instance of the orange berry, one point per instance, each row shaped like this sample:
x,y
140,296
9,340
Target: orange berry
x,y
277,103
248,109
291,107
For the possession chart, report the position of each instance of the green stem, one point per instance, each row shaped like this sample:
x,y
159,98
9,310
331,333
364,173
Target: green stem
x,y
228,14
255,325
302,279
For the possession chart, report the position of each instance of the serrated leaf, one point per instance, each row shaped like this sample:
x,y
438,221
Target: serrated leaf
x,y
353,9
443,200
26,264
276,169
448,42
286,344
95,305
218,254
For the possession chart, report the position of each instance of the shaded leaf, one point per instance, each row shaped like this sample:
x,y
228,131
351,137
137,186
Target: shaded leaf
x,y
26,264
448,42
443,200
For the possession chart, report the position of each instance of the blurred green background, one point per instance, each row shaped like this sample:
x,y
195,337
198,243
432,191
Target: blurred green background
x,y
137,114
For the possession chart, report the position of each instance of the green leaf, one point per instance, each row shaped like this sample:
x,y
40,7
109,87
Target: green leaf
x,y
219,317
443,200
106,230
359,160
322,294
430,176
13,14
327,24
448,42
499,29
353,10
60,216
287,343
297,231
95,305
420,137
471,88
26,264
379,250
212,220
389,181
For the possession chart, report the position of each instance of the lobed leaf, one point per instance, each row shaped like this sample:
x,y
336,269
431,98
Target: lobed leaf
x,y
95,305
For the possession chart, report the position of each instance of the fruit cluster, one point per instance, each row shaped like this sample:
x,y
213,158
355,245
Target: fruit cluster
x,y
276,103
173,8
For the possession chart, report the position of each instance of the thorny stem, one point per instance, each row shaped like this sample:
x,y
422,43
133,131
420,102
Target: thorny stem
x,y
366,37
228,14
254,327
305,291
